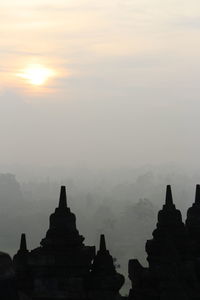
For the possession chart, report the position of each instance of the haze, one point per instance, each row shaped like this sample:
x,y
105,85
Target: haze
x,y
127,86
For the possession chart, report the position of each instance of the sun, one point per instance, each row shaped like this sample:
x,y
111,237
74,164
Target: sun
x,y
36,74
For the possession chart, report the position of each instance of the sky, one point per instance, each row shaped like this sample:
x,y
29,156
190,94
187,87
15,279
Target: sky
x,y
120,88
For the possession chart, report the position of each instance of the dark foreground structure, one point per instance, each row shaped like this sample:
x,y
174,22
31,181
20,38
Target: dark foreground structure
x,y
173,256
64,268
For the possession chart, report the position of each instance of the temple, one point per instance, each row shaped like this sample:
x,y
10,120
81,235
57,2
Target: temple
x,y
63,267
104,282
173,256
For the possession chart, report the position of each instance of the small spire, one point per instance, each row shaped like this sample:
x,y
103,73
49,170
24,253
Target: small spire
x,y
197,195
23,246
102,246
63,197
169,199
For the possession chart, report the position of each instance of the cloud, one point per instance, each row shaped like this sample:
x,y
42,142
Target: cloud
x,y
187,22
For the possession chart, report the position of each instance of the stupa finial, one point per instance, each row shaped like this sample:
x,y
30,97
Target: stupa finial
x,y
23,246
197,195
102,246
63,197
169,199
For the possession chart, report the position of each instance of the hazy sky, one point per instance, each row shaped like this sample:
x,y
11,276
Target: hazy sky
x,y
123,87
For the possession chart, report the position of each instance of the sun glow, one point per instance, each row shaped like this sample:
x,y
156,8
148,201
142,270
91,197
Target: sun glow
x,y
36,74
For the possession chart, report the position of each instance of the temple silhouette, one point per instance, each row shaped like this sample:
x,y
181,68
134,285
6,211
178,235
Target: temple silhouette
x,y
63,267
